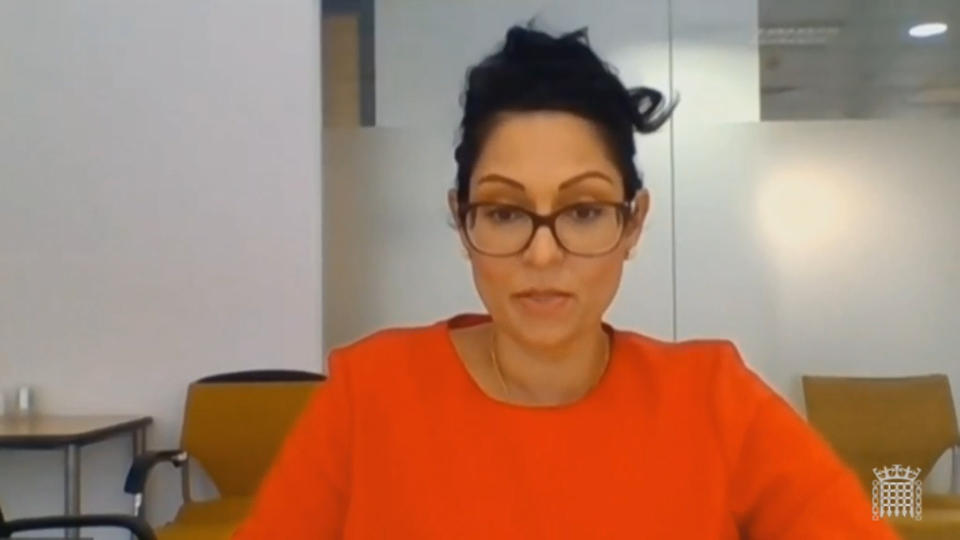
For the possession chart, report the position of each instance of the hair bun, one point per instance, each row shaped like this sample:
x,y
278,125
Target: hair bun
x,y
649,109
524,45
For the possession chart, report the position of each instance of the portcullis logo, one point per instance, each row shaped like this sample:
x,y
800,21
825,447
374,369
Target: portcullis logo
x,y
897,492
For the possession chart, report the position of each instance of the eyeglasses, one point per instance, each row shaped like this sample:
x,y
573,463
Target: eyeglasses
x,y
586,229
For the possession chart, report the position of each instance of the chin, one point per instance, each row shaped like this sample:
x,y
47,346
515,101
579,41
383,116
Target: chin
x,y
545,332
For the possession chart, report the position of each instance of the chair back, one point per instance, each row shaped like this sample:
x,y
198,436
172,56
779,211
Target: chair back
x,y
234,423
880,422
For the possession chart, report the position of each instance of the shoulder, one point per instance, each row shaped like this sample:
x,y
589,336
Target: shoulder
x,y
385,349
703,358
711,372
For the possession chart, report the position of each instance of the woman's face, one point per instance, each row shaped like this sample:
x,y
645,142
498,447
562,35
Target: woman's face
x,y
542,161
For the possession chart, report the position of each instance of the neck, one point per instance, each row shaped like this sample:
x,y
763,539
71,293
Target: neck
x,y
555,375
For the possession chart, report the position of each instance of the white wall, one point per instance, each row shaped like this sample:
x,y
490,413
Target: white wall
x,y
159,201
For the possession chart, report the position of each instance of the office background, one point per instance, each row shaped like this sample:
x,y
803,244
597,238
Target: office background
x,y
174,204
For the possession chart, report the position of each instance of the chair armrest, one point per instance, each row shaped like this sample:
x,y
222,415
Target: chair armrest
x,y
142,464
137,526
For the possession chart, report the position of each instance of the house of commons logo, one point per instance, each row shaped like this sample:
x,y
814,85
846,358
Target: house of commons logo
x,y
897,492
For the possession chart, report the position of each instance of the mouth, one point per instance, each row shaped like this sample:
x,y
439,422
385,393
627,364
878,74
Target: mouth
x,y
543,301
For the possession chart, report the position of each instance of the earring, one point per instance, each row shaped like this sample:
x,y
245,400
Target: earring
x,y
630,254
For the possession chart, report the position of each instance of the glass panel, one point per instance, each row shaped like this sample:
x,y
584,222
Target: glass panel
x,y
348,74
823,247
831,59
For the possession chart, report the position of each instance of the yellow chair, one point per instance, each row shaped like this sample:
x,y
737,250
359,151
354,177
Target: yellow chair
x,y
233,426
881,422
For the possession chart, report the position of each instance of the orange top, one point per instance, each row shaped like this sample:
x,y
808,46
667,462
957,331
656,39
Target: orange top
x,y
677,440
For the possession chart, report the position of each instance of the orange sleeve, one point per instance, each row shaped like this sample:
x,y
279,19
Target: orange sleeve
x,y
305,493
786,482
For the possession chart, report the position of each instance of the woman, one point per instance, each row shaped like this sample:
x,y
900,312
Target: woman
x,y
538,420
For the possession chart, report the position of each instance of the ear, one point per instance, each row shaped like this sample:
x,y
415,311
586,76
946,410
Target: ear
x,y
454,206
634,225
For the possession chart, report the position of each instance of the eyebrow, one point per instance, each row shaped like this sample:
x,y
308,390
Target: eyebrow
x,y
566,183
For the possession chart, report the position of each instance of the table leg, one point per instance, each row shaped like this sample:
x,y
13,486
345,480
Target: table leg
x,y
72,486
139,437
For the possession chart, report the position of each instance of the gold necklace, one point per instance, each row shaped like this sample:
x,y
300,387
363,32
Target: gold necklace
x,y
496,365
503,382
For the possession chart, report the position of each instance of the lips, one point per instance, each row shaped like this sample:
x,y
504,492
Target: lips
x,y
542,294
543,302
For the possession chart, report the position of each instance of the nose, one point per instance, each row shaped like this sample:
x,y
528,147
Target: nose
x,y
543,249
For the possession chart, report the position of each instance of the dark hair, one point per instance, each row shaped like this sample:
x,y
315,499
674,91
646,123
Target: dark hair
x,y
534,71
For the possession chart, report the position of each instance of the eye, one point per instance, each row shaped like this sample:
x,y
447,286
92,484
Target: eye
x,y
586,212
502,214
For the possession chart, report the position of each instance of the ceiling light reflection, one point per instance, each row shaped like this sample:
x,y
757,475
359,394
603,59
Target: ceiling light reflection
x,y
926,30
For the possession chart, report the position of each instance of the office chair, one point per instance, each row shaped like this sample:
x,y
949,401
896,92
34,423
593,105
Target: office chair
x,y
234,423
133,524
881,422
